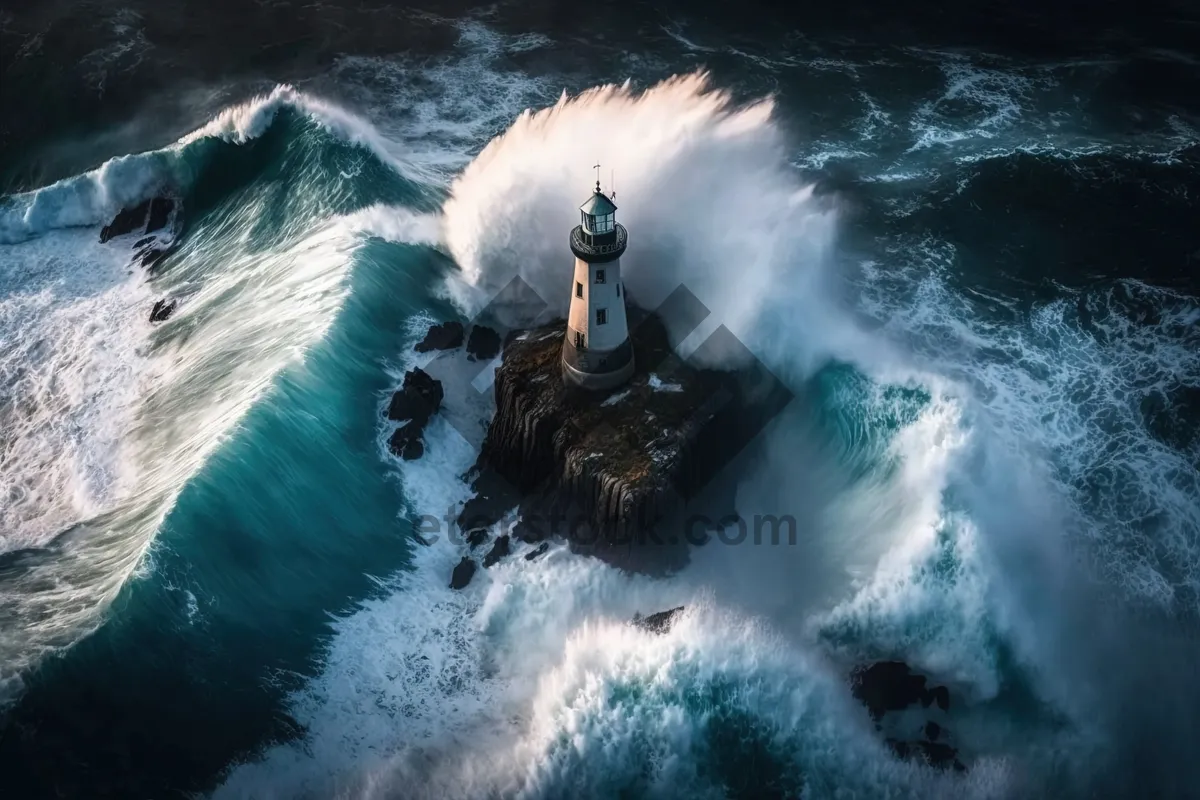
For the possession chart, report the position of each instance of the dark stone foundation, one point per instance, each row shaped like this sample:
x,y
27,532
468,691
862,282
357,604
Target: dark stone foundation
x,y
604,469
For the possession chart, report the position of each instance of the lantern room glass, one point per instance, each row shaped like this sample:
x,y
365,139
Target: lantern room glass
x,y
601,223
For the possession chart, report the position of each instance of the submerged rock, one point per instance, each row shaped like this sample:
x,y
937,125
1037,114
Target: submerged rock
x,y
935,754
537,552
476,537
162,309
939,695
893,686
484,343
463,572
406,441
660,622
152,255
417,400
500,549
160,213
147,217
126,221
446,336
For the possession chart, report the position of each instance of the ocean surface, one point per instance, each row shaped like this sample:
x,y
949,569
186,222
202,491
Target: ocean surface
x,y
969,244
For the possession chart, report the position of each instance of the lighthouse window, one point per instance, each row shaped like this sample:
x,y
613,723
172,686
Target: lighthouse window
x,y
618,290
578,289
601,316
600,223
579,341
599,276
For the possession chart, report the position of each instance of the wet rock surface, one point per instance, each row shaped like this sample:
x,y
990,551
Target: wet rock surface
x,y
160,213
463,572
537,552
151,256
484,343
660,622
893,686
163,309
148,217
476,537
935,754
416,401
420,396
500,549
126,221
444,336
407,442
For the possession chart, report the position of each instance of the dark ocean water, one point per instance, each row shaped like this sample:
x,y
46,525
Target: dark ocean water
x,y
966,238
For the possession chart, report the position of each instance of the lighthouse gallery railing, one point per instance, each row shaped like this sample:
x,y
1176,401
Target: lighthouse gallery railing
x,y
616,246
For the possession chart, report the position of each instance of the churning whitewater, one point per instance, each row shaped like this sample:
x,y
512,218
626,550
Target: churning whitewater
x,y
976,486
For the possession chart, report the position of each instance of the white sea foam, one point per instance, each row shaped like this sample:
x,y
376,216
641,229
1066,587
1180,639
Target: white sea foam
x,y
531,683
703,185
73,340
397,224
659,385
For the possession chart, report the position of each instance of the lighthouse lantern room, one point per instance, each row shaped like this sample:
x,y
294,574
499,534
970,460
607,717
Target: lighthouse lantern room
x,y
597,353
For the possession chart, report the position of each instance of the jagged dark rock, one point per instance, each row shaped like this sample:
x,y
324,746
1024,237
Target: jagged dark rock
x,y
942,756
160,213
657,623
151,256
537,552
891,686
494,497
445,336
611,467
938,694
420,396
162,309
463,572
476,537
406,441
126,221
483,344
500,549
140,243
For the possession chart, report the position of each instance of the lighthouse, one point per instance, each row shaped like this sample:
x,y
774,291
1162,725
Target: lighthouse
x,y
597,354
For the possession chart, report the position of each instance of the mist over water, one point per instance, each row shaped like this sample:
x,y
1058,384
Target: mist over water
x,y
991,476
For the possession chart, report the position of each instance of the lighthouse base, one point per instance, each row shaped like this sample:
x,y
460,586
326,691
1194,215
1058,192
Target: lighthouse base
x,y
596,381
597,370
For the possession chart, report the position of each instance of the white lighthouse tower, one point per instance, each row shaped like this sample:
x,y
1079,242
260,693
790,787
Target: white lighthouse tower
x,y
597,353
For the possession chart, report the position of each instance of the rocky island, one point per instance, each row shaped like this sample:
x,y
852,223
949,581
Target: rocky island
x,y
602,469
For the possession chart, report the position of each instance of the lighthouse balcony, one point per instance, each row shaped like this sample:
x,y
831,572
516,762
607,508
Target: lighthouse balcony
x,y
599,247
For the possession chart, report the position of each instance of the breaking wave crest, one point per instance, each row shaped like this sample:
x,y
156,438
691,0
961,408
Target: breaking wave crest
x,y
96,196
109,416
